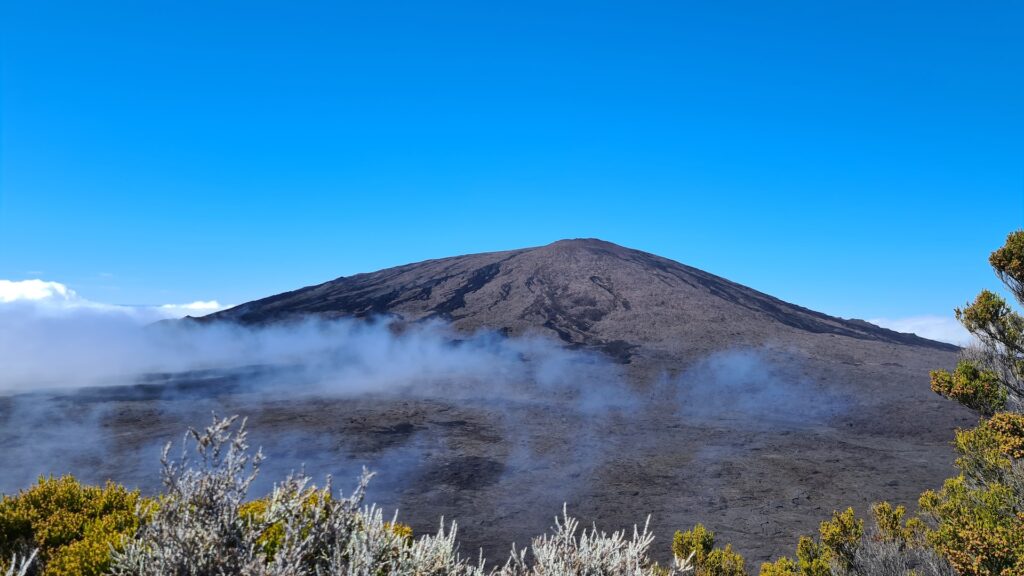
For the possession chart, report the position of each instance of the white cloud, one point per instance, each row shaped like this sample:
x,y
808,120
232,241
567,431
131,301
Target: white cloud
x,y
197,308
942,328
36,290
54,298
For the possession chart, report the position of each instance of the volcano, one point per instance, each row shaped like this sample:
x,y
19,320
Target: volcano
x,y
631,305
759,462
749,414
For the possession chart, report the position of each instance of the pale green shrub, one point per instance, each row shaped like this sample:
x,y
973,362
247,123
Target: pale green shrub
x,y
204,525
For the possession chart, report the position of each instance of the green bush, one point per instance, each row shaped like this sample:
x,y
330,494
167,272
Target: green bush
x,y
973,387
1008,430
782,567
978,529
891,527
977,518
722,562
812,558
272,536
841,536
698,547
697,542
73,527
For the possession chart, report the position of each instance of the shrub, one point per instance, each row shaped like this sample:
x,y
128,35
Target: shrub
x,y
73,527
841,536
723,562
891,527
257,513
973,387
592,553
889,558
197,526
1008,430
697,546
203,525
980,529
999,330
812,558
403,531
815,558
697,543
977,518
988,452
782,567
893,547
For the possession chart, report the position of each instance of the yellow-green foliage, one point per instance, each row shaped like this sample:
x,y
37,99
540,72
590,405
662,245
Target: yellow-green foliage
x,y
699,541
812,558
978,524
1008,430
255,512
73,526
841,535
839,538
708,560
722,562
989,316
889,520
987,451
781,567
892,528
971,386
1000,331
272,537
978,529
404,531
978,517
1008,260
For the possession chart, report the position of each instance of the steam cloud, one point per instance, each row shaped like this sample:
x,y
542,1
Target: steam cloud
x,y
89,348
70,373
96,391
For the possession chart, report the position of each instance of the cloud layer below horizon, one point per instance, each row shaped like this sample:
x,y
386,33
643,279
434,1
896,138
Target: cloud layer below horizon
x,y
53,298
941,328
51,338
48,322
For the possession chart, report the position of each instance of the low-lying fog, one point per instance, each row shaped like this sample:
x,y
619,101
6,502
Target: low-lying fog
x,y
63,373
475,427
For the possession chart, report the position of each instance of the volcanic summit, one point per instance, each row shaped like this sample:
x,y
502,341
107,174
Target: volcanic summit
x,y
629,304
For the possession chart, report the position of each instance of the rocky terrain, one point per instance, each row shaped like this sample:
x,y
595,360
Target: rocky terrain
x,y
724,406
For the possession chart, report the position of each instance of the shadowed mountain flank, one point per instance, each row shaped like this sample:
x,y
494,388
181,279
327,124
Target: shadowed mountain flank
x,y
586,292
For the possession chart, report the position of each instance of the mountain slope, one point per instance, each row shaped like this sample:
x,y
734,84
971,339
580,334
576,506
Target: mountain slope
x,y
586,292
732,408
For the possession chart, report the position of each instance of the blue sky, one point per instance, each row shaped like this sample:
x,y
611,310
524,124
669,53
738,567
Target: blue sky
x,y
857,158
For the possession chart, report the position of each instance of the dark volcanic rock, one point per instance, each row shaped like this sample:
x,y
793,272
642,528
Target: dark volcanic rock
x,y
591,293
